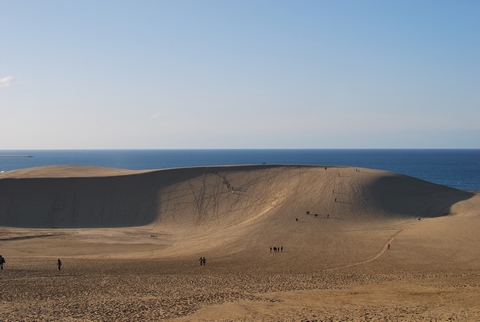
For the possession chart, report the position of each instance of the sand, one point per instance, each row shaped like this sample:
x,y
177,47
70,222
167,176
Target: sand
x,y
130,242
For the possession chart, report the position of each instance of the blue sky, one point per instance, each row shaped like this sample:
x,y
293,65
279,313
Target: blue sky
x,y
239,74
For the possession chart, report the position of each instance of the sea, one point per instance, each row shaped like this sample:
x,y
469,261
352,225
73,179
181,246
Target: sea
x,y
456,168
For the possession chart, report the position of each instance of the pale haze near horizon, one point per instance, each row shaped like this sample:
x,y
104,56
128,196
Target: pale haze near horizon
x,y
239,74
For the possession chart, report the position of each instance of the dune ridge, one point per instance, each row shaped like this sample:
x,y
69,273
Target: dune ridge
x,y
226,211
78,196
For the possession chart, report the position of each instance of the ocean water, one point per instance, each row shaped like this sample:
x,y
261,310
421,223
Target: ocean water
x,y
454,168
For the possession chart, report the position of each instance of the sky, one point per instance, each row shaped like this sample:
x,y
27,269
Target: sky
x,y
266,74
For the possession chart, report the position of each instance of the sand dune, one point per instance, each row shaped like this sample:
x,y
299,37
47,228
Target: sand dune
x,y
161,221
94,197
222,210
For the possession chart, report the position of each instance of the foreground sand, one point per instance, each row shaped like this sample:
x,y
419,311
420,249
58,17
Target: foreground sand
x,y
148,291
331,269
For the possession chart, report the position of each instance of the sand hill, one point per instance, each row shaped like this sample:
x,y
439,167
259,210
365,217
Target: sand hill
x,y
238,208
335,220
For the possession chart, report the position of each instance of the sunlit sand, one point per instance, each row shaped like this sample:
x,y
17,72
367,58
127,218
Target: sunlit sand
x,y
130,243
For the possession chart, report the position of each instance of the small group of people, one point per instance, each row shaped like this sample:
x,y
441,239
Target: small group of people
x,y
276,249
202,261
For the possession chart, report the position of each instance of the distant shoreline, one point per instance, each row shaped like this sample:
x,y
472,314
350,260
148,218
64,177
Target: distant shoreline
x,y
16,156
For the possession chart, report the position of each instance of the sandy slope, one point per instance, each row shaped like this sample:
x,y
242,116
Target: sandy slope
x,y
160,222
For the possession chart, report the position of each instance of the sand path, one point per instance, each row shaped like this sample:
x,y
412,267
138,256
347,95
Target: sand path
x,y
380,253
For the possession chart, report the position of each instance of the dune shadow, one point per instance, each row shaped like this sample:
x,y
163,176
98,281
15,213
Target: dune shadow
x,y
109,201
407,196
27,237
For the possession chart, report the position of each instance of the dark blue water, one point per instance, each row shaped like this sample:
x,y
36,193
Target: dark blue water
x,y
455,168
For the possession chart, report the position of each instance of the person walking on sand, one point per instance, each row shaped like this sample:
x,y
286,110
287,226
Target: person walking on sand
x,y
2,261
388,246
201,261
204,261
59,264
